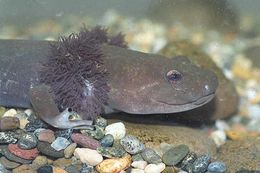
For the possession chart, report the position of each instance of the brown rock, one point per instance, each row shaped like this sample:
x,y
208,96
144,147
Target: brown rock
x,y
152,135
46,135
62,162
39,161
85,141
68,152
24,154
59,170
24,169
241,154
9,123
8,164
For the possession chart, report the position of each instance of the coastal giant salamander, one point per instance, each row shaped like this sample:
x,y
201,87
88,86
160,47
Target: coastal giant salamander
x,y
140,83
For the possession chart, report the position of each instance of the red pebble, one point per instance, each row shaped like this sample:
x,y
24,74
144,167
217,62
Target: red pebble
x,y
25,154
46,135
85,141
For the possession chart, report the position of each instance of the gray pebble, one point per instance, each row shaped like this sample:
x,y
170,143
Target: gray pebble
x,y
137,157
72,169
8,137
187,162
151,156
217,167
46,149
174,155
132,145
101,122
28,141
107,141
110,152
200,165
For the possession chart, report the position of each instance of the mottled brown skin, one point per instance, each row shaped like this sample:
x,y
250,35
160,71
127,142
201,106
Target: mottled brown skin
x,y
137,81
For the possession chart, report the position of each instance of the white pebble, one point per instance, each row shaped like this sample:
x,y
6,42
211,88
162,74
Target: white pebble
x,y
222,125
28,112
137,170
60,143
154,168
219,137
88,156
10,113
141,164
117,130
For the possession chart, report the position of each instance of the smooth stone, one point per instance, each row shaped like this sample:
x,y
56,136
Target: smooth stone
x,y
60,143
46,135
28,141
100,121
244,152
63,133
9,123
8,137
226,92
45,169
22,118
24,169
171,170
139,164
174,155
114,165
200,165
46,149
62,162
116,151
153,135
97,133
85,141
131,144
10,113
107,141
186,163
137,171
34,124
15,158
72,169
151,156
29,112
88,156
68,152
137,157
154,168
217,167
39,161
24,154
116,129
3,170
8,164
59,170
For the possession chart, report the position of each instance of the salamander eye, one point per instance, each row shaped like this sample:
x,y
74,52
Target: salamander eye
x,y
173,76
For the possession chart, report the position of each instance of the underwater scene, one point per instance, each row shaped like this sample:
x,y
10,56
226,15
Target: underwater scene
x,y
137,86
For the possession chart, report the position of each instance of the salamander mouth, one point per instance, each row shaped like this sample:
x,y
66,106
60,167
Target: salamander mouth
x,y
199,102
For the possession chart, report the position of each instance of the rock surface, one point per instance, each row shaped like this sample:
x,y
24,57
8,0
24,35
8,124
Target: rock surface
x,y
241,154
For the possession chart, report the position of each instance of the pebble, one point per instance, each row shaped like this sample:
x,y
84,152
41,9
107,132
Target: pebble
x,y
62,162
9,123
28,112
137,157
187,162
39,161
23,119
151,156
114,165
132,145
165,147
8,164
72,169
24,169
45,169
217,167
85,141
46,149
60,143
8,137
219,137
63,133
59,170
100,121
34,124
139,164
88,156
116,129
10,113
154,168
68,152
24,154
201,164
2,169
27,141
137,171
107,141
110,152
15,158
98,133
174,155
46,135
2,111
